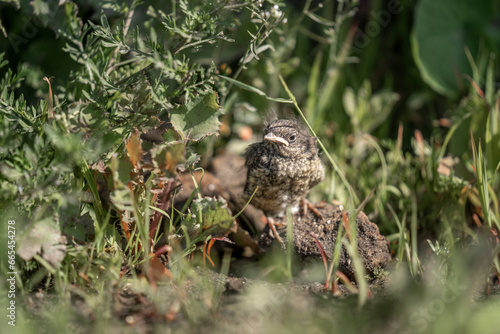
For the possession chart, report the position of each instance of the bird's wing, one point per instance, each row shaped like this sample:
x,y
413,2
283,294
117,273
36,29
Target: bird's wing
x,y
252,156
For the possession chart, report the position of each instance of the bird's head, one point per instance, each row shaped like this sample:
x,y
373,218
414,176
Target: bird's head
x,y
289,139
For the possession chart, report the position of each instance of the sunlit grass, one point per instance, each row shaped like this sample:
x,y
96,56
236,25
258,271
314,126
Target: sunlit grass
x,y
442,221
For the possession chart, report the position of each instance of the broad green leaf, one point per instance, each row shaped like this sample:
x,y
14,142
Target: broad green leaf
x,y
442,31
198,118
44,239
81,228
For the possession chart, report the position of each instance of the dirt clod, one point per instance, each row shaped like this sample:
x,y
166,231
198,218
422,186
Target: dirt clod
x,y
373,248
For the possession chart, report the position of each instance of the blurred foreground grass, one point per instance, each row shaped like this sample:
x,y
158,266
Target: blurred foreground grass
x,y
88,193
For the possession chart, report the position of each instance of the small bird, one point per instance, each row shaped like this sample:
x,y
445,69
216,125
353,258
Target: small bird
x,y
284,167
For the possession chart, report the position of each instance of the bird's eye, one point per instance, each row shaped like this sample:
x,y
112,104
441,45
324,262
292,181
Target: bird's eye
x,y
291,139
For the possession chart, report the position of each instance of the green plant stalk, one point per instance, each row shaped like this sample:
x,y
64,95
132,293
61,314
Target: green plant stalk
x,y
484,187
359,272
142,226
328,155
475,70
98,244
482,184
449,135
494,203
289,242
171,222
383,162
492,137
92,184
190,246
490,81
150,201
331,190
45,264
401,235
335,63
246,204
217,294
148,241
357,264
226,262
414,263
253,89
183,210
198,192
154,208
312,87
336,254
359,268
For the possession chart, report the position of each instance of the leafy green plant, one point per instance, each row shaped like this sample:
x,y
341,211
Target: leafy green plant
x,y
129,79
89,159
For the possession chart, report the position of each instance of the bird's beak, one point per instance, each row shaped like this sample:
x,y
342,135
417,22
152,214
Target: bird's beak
x,y
275,139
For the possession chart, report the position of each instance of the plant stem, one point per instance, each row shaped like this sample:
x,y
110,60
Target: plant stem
x,y
328,155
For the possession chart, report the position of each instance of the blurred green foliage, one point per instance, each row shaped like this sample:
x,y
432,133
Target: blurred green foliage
x,y
444,31
368,76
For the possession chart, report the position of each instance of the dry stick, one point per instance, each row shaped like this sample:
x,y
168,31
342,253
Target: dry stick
x,y
346,281
165,200
323,257
50,99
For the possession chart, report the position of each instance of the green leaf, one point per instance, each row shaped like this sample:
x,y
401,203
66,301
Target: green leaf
x,y
104,21
10,173
442,31
217,220
44,239
198,118
313,84
80,228
492,137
